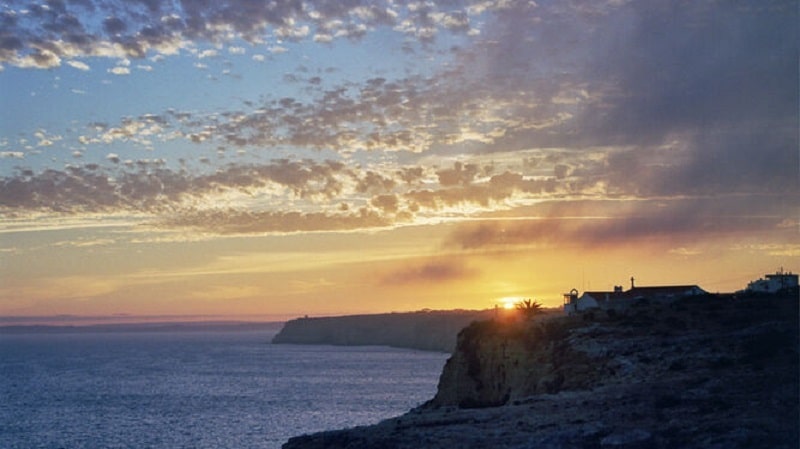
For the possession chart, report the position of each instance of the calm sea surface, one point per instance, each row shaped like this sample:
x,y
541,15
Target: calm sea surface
x,y
196,390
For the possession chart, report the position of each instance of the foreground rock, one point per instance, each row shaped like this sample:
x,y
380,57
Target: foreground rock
x,y
701,373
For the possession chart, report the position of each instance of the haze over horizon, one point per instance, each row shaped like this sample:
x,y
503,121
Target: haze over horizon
x,y
325,157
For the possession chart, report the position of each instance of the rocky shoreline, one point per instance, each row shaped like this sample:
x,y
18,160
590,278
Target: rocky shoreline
x,y
711,372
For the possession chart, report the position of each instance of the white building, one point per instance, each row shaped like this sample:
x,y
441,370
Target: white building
x,y
573,303
773,283
620,299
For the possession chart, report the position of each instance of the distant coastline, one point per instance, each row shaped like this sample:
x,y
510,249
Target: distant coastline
x,y
428,330
166,326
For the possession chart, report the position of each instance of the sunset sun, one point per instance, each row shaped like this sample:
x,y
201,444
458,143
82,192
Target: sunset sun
x,y
509,302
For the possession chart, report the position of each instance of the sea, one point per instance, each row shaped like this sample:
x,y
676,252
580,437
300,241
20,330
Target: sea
x,y
190,389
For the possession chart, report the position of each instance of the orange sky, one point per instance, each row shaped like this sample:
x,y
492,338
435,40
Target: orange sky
x,y
334,158
407,268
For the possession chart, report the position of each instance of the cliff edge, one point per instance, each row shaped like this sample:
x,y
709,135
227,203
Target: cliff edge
x,y
709,372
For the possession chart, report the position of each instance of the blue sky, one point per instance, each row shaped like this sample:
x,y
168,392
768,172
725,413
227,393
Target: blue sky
x,y
433,150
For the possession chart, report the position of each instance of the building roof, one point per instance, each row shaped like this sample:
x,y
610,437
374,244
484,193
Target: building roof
x,y
654,291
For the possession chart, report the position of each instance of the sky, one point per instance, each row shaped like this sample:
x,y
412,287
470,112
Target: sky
x,y
271,159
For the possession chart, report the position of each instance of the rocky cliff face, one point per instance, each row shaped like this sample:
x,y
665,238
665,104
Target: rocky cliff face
x,y
497,362
713,372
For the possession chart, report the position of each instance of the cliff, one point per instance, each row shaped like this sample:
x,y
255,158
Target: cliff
x,y
425,330
707,372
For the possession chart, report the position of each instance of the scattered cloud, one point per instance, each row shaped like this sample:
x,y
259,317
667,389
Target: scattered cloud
x,y
210,53
685,251
787,250
538,102
79,65
39,37
241,222
119,71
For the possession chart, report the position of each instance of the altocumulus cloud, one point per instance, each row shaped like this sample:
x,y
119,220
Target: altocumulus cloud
x,y
635,100
280,196
686,99
42,34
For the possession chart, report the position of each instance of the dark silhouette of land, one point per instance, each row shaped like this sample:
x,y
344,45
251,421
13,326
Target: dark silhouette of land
x,y
712,371
425,330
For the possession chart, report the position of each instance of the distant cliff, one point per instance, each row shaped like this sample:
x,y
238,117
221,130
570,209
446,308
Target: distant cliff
x,y
425,330
705,372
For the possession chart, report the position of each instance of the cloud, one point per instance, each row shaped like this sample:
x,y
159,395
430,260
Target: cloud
x,y
79,65
686,252
460,174
716,82
242,222
606,224
255,197
386,203
375,182
436,271
630,100
40,37
45,139
379,115
119,71
146,185
210,53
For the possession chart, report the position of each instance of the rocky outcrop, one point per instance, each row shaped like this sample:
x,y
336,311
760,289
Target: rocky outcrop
x,y
425,330
711,372
496,362
499,361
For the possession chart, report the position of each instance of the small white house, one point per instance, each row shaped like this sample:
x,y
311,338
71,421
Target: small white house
x,y
773,283
572,303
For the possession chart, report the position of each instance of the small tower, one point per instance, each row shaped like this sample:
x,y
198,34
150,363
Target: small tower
x,y
571,301
632,279
571,297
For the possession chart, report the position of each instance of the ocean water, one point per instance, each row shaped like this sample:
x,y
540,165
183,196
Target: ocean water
x,y
196,389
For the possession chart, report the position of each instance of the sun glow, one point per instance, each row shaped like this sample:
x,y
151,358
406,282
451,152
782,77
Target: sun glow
x,y
509,302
